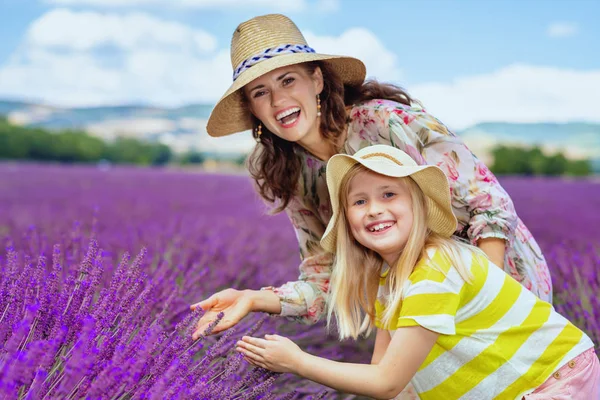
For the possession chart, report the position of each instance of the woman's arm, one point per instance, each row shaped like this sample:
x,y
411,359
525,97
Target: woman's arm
x,y
302,300
382,341
494,248
406,352
473,187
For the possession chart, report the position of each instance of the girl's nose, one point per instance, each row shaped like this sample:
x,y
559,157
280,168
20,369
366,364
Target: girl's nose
x,y
375,208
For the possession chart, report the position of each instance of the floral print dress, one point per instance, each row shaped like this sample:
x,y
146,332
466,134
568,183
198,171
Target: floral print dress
x,y
481,205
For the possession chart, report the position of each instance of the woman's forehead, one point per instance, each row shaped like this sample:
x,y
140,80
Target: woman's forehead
x,y
273,75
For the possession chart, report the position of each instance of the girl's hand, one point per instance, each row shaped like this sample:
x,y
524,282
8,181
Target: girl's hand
x,y
274,352
236,304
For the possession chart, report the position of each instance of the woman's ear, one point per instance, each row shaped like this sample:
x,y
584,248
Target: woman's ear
x,y
318,79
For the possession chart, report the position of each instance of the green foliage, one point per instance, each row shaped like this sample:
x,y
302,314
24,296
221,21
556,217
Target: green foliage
x,y
192,157
514,160
23,143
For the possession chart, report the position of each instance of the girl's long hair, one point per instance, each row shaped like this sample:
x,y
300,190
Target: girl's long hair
x,y
356,270
274,164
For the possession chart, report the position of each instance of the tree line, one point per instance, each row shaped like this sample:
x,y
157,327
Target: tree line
x,y
73,146
513,160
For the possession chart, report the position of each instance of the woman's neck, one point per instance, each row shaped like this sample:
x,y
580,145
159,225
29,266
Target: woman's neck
x,y
322,148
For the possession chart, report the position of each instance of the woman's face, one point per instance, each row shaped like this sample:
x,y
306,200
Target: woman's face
x,y
379,213
285,101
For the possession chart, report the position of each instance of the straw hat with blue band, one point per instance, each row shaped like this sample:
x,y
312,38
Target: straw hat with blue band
x,y
390,161
261,45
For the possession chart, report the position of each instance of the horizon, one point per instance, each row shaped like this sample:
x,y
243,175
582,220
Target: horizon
x,y
468,61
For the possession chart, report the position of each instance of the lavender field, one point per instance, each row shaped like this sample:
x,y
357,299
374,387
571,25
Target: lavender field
x,y
100,267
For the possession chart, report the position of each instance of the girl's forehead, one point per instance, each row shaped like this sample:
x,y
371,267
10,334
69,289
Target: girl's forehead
x,y
369,178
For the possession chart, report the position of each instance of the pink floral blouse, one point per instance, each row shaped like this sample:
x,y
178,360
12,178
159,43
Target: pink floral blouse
x,y
482,206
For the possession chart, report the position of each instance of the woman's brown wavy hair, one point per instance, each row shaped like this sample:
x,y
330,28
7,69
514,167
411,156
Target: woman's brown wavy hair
x,y
275,166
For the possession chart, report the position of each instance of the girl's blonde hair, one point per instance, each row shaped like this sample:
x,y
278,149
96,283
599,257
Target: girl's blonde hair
x,y
356,270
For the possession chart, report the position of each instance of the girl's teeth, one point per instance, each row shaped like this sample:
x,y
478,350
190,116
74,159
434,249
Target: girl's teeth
x,y
379,227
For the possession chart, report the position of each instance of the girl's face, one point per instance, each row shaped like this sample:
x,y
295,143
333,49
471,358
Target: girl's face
x,y
285,101
379,213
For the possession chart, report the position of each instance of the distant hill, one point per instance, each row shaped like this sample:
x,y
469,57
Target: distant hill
x,y
184,128
574,139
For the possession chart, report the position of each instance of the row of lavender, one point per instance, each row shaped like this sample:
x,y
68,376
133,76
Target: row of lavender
x,y
79,318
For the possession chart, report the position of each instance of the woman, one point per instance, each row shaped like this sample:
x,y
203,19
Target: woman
x,y
305,107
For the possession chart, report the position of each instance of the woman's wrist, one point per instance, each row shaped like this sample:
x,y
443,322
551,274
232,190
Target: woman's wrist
x,y
264,301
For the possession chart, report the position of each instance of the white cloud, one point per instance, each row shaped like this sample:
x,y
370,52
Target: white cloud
x,y
562,29
328,5
364,45
517,93
154,61
278,5
65,29
88,58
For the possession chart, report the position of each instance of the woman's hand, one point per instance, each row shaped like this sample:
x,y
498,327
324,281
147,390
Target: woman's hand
x,y
274,352
235,304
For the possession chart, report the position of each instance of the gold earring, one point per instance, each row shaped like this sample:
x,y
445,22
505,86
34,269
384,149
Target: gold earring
x,y
258,132
318,106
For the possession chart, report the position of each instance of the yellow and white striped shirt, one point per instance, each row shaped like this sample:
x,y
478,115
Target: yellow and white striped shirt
x,y
497,340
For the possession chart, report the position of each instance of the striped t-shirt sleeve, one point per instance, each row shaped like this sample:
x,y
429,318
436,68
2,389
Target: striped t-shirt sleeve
x,y
433,297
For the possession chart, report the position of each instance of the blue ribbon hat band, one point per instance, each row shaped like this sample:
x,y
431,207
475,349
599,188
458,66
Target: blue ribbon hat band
x,y
270,53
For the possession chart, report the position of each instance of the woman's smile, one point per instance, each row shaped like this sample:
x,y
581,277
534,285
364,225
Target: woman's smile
x,y
288,117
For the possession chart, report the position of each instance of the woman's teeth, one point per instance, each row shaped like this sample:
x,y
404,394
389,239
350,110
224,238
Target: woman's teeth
x,y
288,116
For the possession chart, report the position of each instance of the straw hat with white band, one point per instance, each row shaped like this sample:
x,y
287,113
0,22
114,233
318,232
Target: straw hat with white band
x,y
261,45
390,161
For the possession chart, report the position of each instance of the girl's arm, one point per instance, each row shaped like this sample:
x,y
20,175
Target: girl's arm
x,y
382,341
406,352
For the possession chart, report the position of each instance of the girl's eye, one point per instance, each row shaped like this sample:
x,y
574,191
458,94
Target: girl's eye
x,y
287,81
359,202
387,195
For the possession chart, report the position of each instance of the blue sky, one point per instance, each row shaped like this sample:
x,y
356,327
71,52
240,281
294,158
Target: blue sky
x,y
520,61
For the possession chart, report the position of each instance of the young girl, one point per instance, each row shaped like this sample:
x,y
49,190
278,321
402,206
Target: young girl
x,y
447,319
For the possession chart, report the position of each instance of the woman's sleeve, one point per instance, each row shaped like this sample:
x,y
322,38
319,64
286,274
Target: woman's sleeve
x,y
305,299
473,187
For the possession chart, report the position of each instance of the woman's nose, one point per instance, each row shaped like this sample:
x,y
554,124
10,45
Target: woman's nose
x,y
277,98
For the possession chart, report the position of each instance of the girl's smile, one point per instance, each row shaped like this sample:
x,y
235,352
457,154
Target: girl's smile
x,y
379,213
379,228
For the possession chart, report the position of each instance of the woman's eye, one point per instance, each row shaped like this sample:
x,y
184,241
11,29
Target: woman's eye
x,y
259,93
287,81
388,195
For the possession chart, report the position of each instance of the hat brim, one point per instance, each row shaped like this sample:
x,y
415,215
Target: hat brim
x,y
431,180
229,114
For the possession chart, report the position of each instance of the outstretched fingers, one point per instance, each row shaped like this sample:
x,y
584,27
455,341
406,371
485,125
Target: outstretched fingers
x,y
252,348
205,304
